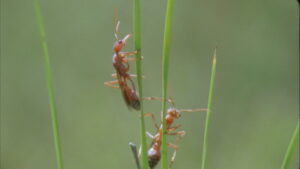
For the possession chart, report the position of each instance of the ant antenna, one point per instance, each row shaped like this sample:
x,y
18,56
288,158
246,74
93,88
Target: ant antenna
x,y
193,110
116,30
117,23
171,101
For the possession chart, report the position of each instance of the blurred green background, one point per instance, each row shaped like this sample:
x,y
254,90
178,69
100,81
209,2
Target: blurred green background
x,y
256,101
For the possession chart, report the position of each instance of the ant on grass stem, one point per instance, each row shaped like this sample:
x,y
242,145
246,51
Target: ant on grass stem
x,y
120,63
154,151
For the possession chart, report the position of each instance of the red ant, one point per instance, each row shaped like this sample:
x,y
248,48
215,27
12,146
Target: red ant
x,y
120,63
154,154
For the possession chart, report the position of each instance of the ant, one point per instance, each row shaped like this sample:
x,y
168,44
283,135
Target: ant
x,y
154,153
120,63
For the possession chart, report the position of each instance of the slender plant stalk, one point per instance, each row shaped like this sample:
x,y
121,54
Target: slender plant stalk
x,y
55,127
209,105
135,155
137,43
291,148
165,71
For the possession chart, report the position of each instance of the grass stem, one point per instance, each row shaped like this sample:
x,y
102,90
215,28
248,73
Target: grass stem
x,y
291,148
137,44
165,70
135,155
209,105
51,94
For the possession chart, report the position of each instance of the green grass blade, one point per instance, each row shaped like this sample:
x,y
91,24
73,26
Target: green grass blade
x,y
291,148
137,43
209,105
49,84
165,71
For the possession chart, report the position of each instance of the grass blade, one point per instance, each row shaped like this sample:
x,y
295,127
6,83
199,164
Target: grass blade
x,y
137,44
165,71
55,127
291,148
209,105
135,155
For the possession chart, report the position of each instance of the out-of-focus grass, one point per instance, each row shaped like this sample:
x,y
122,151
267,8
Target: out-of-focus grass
x,y
209,106
291,148
48,75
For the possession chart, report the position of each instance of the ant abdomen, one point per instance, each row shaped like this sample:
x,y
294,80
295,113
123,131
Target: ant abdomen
x,y
136,104
153,157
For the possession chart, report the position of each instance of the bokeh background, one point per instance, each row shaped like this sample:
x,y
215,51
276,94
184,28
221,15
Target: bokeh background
x,y
256,101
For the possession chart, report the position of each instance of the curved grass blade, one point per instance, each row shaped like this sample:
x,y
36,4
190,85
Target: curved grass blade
x,y
55,127
209,105
291,148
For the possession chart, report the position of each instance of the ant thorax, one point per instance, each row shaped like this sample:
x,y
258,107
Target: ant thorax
x,y
114,58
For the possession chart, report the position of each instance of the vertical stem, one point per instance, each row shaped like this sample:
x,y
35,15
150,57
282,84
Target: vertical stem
x,y
291,148
135,155
209,105
49,84
165,70
137,43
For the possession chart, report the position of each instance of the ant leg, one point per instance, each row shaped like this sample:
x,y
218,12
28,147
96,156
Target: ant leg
x,y
114,75
132,59
153,119
125,54
194,110
111,84
149,135
153,98
180,134
172,160
175,147
173,128
158,99
133,75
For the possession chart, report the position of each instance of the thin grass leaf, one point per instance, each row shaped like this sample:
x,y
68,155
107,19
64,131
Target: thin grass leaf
x,y
135,155
137,43
291,148
55,128
165,71
209,105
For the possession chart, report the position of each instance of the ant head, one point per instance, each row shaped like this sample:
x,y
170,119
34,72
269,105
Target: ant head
x,y
174,112
120,43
